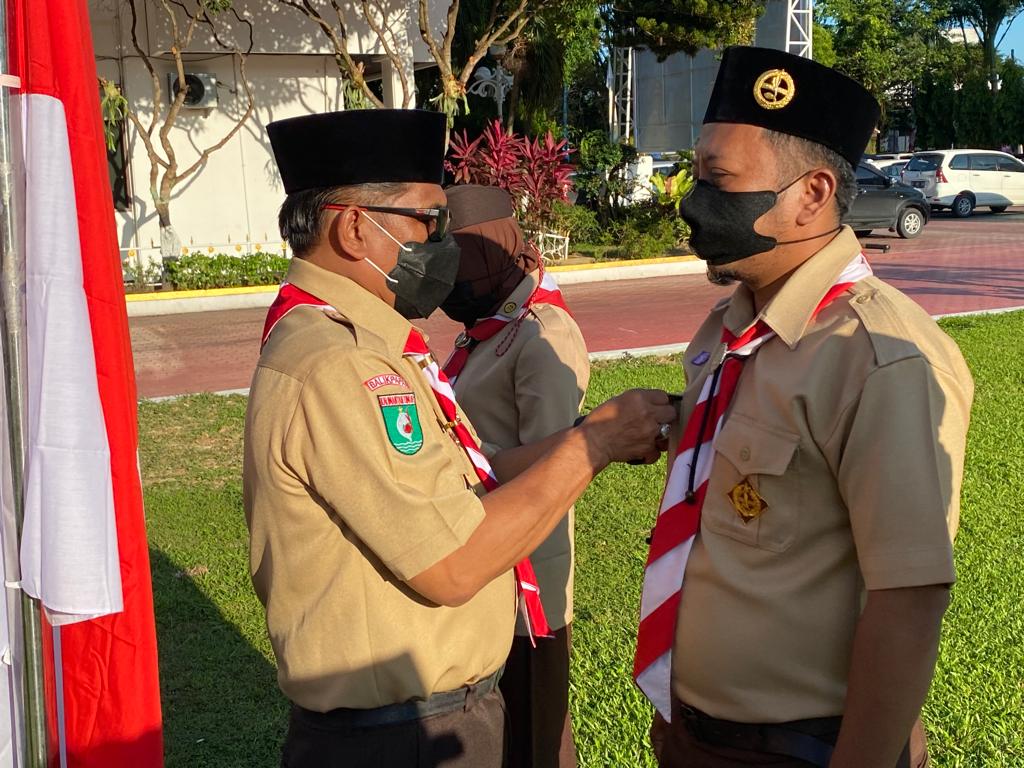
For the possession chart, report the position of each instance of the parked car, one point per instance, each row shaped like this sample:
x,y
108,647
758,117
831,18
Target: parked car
x,y
965,179
882,160
894,170
884,202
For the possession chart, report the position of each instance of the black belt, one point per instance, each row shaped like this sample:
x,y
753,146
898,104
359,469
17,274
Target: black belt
x,y
437,704
787,739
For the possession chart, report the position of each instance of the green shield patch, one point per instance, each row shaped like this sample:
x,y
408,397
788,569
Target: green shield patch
x,y
402,422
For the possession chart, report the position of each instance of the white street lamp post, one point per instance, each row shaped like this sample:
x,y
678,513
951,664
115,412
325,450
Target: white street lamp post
x,y
495,83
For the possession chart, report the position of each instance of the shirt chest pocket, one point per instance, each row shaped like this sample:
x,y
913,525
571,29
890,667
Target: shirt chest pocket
x,y
754,493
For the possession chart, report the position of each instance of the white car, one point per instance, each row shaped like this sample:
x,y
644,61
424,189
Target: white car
x,y
884,161
965,179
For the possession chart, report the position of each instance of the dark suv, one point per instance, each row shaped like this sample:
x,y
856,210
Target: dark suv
x,y
886,203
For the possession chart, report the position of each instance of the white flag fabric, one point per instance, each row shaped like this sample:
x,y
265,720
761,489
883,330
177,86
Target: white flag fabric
x,y
69,500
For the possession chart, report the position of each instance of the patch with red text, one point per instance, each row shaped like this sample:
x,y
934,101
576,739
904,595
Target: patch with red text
x,y
385,380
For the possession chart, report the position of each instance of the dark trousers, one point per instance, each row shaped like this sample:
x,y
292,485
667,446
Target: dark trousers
x,y
682,749
472,737
536,690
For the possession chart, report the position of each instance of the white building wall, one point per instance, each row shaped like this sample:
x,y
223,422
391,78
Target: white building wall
x,y
231,203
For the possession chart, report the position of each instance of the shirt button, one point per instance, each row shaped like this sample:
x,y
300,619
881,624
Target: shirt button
x,y
744,454
864,298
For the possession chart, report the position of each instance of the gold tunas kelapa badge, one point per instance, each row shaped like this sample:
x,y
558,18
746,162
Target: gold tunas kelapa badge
x,y
747,501
774,89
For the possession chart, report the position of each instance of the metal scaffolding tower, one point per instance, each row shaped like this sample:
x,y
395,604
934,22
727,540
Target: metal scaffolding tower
x,y
620,94
799,27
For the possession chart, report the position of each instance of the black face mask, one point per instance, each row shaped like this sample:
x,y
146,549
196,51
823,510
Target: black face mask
x,y
722,223
423,276
464,307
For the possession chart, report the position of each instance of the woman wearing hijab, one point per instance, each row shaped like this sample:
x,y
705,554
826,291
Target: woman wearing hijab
x,y
520,370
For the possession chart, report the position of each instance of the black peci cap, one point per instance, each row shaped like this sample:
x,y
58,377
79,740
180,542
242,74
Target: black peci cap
x,y
359,146
472,204
789,94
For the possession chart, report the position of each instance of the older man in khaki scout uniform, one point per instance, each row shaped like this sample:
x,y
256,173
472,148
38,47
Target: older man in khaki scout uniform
x,y
520,370
386,575
801,561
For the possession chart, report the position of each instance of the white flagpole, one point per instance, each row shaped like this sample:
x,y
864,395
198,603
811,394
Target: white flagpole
x,y
12,340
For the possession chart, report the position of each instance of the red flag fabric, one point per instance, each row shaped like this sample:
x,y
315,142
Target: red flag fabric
x,y
84,553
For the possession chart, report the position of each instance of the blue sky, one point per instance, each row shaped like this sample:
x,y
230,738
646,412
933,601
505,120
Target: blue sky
x,y
1015,40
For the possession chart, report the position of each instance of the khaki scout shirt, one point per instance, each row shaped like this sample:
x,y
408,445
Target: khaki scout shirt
x,y
343,509
851,427
519,386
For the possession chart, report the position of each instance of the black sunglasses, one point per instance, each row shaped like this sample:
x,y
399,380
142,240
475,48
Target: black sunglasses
x,y
441,218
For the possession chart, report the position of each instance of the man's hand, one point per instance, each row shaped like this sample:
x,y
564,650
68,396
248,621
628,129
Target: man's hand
x,y
539,484
627,427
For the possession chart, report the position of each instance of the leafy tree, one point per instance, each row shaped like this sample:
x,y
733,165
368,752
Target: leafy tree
x,y
671,26
882,43
500,23
955,106
822,45
939,96
556,48
1010,105
975,117
987,17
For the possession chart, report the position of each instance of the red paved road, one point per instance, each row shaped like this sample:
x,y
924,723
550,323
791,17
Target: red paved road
x,y
955,266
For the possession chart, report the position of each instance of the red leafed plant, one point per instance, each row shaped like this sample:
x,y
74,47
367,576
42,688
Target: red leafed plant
x,y
545,177
533,171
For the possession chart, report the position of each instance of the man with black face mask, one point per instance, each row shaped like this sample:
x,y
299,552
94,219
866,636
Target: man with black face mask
x,y
390,580
520,370
801,562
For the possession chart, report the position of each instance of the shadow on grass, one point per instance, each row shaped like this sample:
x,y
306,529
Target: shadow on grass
x,y
221,703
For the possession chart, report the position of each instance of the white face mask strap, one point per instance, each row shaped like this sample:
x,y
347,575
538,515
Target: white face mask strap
x,y
382,272
404,248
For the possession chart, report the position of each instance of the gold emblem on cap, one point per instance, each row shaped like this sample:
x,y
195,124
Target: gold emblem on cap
x,y
774,89
747,501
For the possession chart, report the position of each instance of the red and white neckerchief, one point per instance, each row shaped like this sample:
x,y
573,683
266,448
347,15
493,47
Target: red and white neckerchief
x,y
546,292
288,298
527,591
679,516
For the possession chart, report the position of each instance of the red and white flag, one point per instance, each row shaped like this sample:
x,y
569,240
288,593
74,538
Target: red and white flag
x,y
83,552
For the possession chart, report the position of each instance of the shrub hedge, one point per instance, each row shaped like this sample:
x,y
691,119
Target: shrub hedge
x,y
196,271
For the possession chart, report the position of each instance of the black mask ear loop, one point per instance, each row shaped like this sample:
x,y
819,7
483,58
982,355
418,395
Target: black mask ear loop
x,y
803,239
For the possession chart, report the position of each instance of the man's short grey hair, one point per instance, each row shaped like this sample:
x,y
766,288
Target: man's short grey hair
x,y
795,156
302,214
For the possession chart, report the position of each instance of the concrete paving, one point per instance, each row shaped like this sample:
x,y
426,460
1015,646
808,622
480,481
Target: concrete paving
x,y
954,266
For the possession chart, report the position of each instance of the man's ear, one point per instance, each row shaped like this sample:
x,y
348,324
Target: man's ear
x,y
346,233
819,192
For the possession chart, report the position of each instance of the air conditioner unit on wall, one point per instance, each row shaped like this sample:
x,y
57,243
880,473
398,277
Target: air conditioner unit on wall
x,y
202,89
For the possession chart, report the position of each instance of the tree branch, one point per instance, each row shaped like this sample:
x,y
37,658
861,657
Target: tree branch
x,y
381,32
449,33
205,154
179,97
346,64
504,33
443,64
1008,23
158,93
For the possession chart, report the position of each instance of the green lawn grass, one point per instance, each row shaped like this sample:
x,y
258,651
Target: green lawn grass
x,y
221,703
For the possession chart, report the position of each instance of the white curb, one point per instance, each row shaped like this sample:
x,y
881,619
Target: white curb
x,y
155,307
638,271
